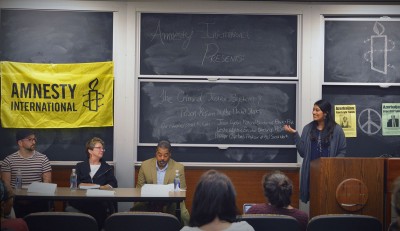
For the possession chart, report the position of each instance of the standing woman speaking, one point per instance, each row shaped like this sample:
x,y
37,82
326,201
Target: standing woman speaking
x,y
322,137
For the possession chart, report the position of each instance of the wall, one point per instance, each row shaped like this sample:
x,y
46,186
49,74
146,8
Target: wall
x,y
125,47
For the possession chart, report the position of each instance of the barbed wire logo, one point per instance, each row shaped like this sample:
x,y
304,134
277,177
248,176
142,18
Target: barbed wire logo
x,y
94,96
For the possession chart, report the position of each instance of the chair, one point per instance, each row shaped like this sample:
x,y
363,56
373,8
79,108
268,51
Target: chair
x,y
142,221
60,221
344,222
271,222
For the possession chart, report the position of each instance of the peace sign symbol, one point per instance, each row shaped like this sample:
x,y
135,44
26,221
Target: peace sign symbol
x,y
371,123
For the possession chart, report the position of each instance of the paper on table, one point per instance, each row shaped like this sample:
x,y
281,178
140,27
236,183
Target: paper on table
x,y
39,187
156,190
98,192
89,186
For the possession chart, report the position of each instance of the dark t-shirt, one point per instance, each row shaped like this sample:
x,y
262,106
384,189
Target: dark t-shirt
x,y
301,216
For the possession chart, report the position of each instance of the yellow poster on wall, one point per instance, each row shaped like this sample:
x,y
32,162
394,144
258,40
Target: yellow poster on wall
x,y
345,116
56,95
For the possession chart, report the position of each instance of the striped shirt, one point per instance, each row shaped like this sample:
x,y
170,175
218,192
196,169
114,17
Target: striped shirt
x,y
31,168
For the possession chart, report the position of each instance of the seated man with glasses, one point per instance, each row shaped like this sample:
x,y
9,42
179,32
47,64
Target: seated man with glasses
x,y
34,167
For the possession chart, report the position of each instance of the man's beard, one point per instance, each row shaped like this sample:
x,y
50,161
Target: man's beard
x,y
31,148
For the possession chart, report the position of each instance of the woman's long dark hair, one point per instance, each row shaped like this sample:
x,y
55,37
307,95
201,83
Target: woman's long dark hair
x,y
215,196
330,123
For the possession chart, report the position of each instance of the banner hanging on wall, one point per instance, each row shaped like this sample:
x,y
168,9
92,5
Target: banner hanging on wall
x,y
56,95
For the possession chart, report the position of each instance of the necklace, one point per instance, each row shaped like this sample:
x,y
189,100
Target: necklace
x,y
319,143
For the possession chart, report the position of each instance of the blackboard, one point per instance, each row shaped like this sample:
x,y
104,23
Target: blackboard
x,y
230,155
218,45
364,51
217,113
36,36
368,100
60,144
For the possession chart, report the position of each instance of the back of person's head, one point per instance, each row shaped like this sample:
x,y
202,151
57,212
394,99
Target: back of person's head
x,y
277,189
214,197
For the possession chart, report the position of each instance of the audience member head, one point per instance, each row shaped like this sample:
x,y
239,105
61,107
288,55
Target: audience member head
x,y
214,197
95,146
277,189
6,196
163,153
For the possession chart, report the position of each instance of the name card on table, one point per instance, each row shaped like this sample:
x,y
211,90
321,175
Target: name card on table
x,y
156,190
98,192
43,188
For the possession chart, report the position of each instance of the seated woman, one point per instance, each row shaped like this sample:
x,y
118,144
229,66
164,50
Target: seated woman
x,y
7,223
214,205
95,172
278,190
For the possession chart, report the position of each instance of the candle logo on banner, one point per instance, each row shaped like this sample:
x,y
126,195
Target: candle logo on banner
x,y
377,55
94,96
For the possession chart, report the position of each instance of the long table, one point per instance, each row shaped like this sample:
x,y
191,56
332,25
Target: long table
x,y
120,195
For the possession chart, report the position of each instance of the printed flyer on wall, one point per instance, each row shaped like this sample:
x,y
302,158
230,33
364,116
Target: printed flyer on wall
x,y
345,116
390,119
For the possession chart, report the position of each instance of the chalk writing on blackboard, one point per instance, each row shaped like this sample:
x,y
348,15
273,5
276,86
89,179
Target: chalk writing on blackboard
x,y
372,52
369,121
218,45
378,53
217,113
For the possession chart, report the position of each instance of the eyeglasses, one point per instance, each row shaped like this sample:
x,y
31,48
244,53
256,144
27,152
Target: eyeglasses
x,y
100,148
31,139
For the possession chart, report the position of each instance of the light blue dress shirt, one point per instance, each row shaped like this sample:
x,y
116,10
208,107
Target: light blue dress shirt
x,y
161,174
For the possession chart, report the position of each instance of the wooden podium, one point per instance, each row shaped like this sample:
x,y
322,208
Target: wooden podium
x,y
347,186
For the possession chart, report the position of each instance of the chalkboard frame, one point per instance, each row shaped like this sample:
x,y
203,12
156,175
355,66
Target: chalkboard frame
x,y
215,76
220,146
328,80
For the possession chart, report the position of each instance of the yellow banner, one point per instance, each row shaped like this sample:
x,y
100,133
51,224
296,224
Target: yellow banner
x,y
56,95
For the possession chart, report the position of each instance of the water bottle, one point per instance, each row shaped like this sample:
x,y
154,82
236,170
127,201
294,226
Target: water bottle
x,y
18,179
177,181
73,180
